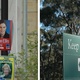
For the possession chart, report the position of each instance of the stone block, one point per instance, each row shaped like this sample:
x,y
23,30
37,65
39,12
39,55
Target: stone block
x,y
32,6
32,22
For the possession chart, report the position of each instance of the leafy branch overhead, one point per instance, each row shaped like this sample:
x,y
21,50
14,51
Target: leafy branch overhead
x,y
61,13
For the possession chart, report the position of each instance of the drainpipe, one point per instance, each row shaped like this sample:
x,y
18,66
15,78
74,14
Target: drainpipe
x,y
25,33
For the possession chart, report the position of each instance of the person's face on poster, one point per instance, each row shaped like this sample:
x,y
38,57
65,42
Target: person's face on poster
x,y
2,29
6,71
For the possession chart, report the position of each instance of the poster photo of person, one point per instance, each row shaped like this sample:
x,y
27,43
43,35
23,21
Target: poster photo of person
x,y
6,68
5,34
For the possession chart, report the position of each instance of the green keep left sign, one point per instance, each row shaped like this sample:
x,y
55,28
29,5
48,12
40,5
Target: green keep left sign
x,y
71,57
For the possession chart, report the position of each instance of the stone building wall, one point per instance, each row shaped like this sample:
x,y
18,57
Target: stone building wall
x,y
32,8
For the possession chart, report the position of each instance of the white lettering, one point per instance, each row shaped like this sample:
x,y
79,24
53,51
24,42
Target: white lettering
x,y
73,46
5,41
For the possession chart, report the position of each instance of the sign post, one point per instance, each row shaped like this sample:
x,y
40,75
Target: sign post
x,y
71,57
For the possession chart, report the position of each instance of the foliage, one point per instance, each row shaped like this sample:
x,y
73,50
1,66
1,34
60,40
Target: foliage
x,y
56,17
33,57
28,68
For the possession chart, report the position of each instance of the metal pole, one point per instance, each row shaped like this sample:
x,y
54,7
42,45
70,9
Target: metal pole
x,y
4,9
25,35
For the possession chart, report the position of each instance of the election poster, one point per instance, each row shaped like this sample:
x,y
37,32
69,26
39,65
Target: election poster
x,y
71,57
5,34
6,68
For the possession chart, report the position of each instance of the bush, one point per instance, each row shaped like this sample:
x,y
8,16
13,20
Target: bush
x,y
28,68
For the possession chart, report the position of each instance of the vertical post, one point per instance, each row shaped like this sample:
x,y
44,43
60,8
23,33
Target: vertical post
x,y
4,16
25,28
0,9
4,9
25,34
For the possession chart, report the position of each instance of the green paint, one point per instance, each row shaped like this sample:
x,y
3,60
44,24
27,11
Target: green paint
x,y
71,57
